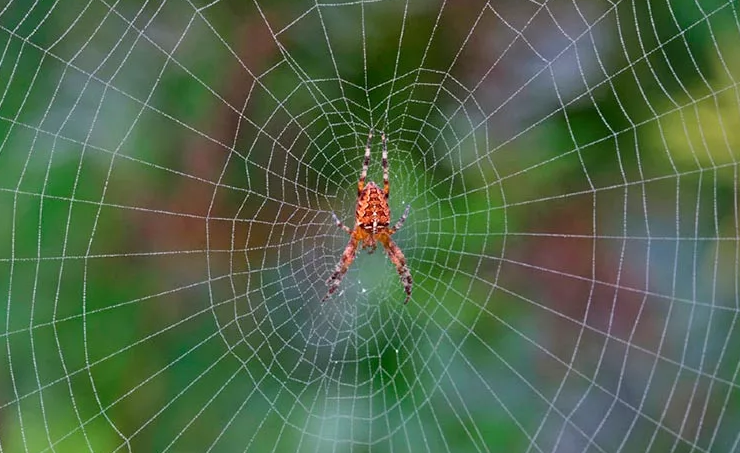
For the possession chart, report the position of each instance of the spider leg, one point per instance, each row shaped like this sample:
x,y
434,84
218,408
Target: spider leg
x,y
396,256
365,164
340,224
341,268
386,184
399,224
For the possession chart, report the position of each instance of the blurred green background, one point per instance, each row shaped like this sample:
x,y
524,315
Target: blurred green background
x,y
167,176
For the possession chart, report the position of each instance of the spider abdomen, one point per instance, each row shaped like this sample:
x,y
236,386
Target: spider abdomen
x,y
373,213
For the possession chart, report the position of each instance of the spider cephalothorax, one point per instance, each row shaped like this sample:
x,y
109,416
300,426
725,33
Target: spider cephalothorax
x,y
372,225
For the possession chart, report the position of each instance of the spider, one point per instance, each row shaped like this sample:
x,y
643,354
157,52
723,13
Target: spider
x,y
372,220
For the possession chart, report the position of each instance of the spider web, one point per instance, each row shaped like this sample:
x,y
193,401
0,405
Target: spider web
x,y
168,172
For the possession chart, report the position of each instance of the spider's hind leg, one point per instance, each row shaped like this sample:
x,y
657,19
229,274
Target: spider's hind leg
x,y
365,164
386,184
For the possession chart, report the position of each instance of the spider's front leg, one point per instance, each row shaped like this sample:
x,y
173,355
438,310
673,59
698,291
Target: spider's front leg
x,y
341,268
396,256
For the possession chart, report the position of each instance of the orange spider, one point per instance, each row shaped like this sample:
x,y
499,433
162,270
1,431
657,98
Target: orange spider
x,y
372,220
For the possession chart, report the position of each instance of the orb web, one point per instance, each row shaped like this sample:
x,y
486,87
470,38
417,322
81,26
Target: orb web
x,y
168,173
